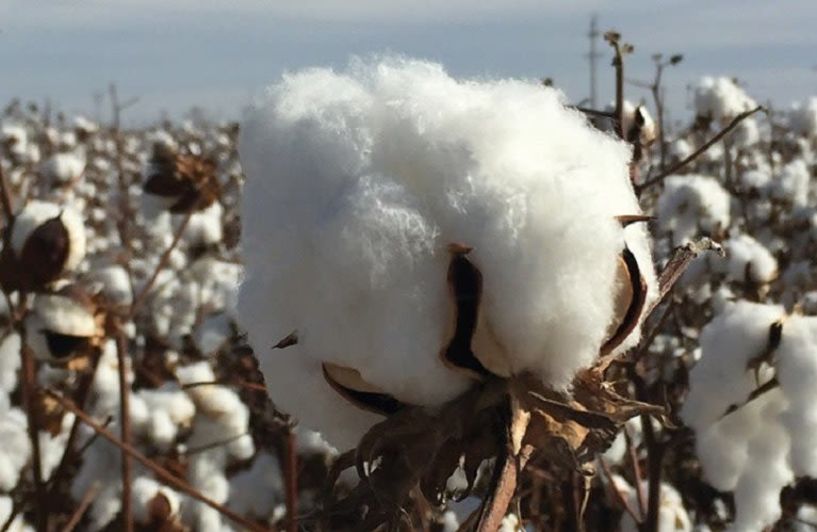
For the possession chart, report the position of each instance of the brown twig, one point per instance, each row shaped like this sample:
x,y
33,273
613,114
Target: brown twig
x,y
162,473
766,387
617,494
497,505
650,181
5,197
81,508
125,426
291,480
28,385
163,260
655,458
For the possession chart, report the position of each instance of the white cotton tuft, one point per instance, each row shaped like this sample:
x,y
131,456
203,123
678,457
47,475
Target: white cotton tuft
x,y
748,260
205,227
9,362
793,183
672,516
357,183
258,489
721,99
690,203
63,168
16,449
144,491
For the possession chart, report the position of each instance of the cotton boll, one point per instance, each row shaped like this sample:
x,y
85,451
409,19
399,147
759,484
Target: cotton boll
x,y
205,227
153,503
63,168
115,283
16,449
257,490
400,164
746,134
52,446
6,508
9,362
692,202
721,99
793,183
43,227
748,260
797,370
721,378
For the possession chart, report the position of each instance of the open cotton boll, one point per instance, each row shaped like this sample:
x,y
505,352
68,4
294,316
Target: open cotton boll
x,y
205,227
748,260
721,378
793,183
803,117
256,491
115,283
796,371
153,503
358,182
63,168
721,99
16,449
690,203
30,223
746,450
169,410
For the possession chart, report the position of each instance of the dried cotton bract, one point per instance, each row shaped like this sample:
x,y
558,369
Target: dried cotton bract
x,y
393,214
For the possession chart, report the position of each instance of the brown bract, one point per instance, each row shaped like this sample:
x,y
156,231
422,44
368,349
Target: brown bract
x,y
41,260
188,182
505,418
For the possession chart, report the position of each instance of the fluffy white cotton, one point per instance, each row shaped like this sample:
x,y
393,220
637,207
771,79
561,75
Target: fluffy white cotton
x,y
9,362
721,99
16,449
803,117
63,168
721,378
793,183
256,491
143,491
690,204
38,212
115,283
205,227
672,516
749,260
359,180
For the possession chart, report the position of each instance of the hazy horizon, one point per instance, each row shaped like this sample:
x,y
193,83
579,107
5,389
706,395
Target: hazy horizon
x,y
217,55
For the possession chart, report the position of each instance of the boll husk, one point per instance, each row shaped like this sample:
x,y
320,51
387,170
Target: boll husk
x,y
381,200
46,240
180,182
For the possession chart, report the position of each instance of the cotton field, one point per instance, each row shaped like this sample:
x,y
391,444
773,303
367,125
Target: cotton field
x,y
390,298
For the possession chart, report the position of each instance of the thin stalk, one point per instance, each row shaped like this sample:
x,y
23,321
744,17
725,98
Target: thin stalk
x,y
125,428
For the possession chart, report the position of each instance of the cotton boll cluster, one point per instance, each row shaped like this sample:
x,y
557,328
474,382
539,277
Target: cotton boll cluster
x,y
672,515
721,99
755,444
402,160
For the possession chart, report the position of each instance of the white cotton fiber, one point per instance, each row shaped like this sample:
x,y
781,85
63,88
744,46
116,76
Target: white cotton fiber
x,y
721,99
691,203
357,181
748,260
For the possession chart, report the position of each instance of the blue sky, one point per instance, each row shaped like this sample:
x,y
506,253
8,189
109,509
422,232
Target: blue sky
x,y
174,54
